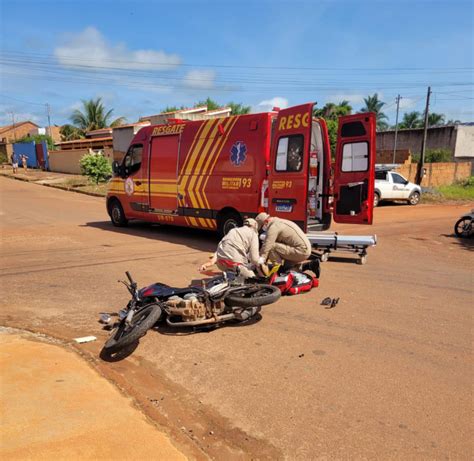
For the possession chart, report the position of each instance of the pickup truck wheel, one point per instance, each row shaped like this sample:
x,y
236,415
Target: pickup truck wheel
x,y
117,215
376,199
414,198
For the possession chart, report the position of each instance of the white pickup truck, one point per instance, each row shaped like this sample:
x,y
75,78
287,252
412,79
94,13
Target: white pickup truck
x,y
390,185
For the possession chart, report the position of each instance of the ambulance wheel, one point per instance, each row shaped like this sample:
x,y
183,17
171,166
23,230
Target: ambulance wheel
x,y
117,215
228,221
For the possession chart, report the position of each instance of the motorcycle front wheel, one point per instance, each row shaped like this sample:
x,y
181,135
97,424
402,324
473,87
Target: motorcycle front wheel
x,y
126,334
252,296
463,227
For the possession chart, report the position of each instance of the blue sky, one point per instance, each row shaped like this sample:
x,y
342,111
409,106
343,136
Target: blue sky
x,y
141,56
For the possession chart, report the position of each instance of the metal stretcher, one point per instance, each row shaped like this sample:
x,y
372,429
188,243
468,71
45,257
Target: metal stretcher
x,y
323,244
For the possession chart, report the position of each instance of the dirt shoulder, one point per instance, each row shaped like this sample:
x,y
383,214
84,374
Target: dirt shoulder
x,y
68,182
54,405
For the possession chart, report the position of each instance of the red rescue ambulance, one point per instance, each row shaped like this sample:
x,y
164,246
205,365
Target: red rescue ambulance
x,y
211,174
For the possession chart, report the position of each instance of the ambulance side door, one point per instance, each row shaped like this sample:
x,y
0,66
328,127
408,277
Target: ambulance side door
x,y
288,177
354,169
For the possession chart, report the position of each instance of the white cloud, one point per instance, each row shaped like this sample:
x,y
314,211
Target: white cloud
x,y
6,117
268,104
407,103
90,48
352,98
201,79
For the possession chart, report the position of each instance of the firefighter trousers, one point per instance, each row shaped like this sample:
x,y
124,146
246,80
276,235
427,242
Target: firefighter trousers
x,y
280,252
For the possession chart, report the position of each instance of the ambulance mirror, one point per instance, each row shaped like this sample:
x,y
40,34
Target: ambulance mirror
x,y
116,167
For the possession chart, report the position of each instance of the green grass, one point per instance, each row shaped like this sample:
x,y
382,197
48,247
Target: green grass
x,y
457,192
462,191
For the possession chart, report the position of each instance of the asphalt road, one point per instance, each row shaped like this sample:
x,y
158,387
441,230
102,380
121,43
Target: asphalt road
x,y
386,374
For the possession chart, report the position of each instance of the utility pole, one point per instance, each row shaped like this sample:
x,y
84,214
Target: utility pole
x,y
13,125
421,165
48,112
396,130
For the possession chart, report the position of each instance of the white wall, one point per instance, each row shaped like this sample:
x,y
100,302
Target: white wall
x,y
464,141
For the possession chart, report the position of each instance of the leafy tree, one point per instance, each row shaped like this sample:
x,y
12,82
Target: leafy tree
x,y
373,104
96,167
435,156
453,122
210,103
332,133
333,111
238,108
70,133
172,109
94,116
435,119
411,120
38,138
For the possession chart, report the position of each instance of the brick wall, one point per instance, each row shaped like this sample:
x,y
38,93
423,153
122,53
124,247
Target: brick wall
x,y
386,156
438,174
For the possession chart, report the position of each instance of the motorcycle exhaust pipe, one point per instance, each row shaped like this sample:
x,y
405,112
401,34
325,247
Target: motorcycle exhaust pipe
x,y
219,318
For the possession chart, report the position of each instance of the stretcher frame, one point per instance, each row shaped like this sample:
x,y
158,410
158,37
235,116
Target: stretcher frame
x,y
323,244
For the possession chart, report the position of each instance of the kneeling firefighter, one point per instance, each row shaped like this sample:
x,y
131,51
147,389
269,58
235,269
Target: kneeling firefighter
x,y
284,241
238,250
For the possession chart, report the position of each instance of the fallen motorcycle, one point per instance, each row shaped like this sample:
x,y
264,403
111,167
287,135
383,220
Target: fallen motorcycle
x,y
463,226
221,299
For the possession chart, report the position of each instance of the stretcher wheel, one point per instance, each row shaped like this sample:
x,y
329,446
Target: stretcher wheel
x,y
324,257
362,260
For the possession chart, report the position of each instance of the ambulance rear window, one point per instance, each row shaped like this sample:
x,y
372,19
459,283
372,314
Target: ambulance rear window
x,y
290,153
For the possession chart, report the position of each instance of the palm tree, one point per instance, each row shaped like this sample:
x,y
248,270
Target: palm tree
x,y
344,108
373,104
69,133
435,119
332,111
411,120
94,116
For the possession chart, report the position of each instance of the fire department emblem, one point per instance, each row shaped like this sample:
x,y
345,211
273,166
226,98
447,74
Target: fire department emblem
x,y
238,153
129,187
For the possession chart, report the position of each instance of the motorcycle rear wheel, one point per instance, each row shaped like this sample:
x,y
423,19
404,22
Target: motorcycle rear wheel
x,y
253,296
141,322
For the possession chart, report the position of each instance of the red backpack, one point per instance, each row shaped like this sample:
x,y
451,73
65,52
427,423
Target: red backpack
x,y
294,282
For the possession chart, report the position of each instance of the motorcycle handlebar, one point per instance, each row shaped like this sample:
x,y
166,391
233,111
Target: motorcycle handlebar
x,y
129,277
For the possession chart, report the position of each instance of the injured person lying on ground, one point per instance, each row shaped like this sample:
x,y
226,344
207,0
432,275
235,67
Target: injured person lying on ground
x,y
237,251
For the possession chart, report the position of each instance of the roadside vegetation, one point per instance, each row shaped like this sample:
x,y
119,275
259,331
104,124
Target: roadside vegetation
x,y
96,167
462,191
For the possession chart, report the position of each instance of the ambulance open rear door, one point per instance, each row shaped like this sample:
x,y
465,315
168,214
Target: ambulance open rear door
x,y
354,169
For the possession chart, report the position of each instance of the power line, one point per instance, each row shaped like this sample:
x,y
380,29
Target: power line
x,y
20,100
233,66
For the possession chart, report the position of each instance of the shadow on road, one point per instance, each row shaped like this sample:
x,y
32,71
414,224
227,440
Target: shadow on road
x,y
193,238
186,331
466,243
343,259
